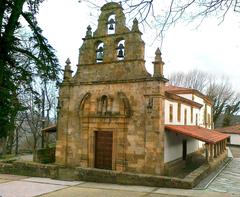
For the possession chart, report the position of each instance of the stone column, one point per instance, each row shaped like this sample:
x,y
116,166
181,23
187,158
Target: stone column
x,y
207,151
211,151
215,150
218,149
222,146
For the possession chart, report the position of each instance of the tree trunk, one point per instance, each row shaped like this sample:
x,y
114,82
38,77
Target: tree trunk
x,y
16,147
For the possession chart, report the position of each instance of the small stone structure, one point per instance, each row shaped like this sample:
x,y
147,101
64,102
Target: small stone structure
x,y
104,120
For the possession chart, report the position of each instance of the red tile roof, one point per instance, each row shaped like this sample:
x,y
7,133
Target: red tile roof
x,y
181,90
175,88
200,133
235,129
50,129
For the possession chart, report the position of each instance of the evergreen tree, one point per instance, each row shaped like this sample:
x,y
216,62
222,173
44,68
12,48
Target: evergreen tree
x,y
24,54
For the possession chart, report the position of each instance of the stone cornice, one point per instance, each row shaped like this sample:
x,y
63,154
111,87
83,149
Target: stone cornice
x,y
145,79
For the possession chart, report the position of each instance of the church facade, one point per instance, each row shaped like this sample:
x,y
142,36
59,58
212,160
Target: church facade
x,y
115,115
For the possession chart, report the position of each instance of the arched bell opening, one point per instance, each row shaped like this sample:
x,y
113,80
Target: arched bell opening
x,y
99,52
121,50
111,24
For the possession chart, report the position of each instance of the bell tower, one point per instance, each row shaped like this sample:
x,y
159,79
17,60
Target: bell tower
x,y
112,51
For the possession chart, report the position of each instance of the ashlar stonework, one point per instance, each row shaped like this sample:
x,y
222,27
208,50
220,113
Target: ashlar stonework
x,y
112,111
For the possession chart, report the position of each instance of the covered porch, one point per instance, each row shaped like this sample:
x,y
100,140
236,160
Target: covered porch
x,y
215,142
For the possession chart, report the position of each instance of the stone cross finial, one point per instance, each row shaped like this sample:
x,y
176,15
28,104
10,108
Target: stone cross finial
x,y
135,25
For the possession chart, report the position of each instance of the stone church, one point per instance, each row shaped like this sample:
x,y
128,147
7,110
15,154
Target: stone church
x,y
112,111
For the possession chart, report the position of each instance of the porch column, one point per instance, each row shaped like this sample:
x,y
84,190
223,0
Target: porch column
x,y
219,151
211,151
215,150
207,151
220,143
223,146
217,147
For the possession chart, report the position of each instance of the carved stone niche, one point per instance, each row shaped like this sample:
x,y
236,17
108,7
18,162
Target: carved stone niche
x,y
105,106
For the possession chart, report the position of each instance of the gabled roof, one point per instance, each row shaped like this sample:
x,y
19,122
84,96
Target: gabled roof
x,y
234,129
182,90
200,133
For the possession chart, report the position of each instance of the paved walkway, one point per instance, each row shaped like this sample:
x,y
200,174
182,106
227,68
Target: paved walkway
x,y
20,186
229,179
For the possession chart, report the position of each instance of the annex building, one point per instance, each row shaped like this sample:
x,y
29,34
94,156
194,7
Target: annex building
x,y
115,115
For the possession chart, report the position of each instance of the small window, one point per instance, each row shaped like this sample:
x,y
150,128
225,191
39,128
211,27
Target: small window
x,y
196,119
185,117
179,112
191,114
121,50
100,52
209,120
170,113
111,25
205,115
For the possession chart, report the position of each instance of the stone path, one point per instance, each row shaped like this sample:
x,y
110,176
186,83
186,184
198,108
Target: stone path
x,y
20,186
229,179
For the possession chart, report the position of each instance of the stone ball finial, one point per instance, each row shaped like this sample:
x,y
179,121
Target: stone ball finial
x,y
68,62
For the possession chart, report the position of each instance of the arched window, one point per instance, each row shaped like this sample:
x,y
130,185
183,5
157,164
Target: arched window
x,y
100,52
111,25
121,50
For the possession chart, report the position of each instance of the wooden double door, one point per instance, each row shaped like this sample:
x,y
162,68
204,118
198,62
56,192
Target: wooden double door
x,y
103,149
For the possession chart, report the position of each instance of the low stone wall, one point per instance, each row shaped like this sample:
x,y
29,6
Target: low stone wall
x,y
29,169
197,175
45,155
108,176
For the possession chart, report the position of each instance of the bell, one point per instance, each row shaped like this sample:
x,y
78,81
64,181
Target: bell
x,y
120,53
111,22
100,54
111,27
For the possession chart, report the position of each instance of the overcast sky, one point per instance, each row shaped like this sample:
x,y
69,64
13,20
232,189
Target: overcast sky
x,y
213,48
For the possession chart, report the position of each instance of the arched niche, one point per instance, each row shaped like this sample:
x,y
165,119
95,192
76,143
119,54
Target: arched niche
x,y
84,104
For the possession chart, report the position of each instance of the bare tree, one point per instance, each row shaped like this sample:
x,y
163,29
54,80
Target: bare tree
x,y
195,79
39,112
225,99
163,14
